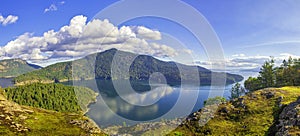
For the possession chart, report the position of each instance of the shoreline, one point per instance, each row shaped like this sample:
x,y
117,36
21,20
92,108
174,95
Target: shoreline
x,y
90,103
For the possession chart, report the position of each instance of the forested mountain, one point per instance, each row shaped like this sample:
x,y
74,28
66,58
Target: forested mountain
x,y
99,66
15,67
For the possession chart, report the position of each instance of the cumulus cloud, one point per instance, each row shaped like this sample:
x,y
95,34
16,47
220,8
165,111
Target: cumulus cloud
x,y
10,19
54,7
80,38
146,33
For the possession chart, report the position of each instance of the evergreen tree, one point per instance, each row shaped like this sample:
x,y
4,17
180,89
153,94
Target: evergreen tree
x,y
266,74
236,91
252,84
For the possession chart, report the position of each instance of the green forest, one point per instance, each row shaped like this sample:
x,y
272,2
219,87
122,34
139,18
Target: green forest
x,y
287,74
56,97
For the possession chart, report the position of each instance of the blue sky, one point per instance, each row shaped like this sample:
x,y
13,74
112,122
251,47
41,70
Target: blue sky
x,y
248,30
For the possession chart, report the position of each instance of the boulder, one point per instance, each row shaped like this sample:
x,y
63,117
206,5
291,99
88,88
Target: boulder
x,y
288,118
269,95
224,110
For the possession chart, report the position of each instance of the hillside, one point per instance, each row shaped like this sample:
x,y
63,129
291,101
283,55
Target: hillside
x,y
264,112
56,97
99,66
23,120
15,67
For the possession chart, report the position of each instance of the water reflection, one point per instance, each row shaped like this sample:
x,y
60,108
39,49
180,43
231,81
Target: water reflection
x,y
149,97
107,109
159,101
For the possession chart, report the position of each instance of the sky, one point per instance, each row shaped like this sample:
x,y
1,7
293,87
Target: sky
x,y
249,31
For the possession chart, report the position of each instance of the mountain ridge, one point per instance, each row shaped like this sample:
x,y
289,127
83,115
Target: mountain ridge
x,y
15,67
99,66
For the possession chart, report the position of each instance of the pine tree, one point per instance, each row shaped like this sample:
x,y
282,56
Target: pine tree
x,y
236,91
266,74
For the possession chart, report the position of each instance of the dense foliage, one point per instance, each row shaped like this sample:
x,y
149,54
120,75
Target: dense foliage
x,y
15,67
56,97
99,66
287,74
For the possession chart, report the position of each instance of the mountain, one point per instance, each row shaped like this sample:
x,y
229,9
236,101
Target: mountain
x,y
140,67
15,67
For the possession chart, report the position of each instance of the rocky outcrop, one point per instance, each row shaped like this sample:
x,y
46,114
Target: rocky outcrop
x,y
289,118
162,127
87,125
13,115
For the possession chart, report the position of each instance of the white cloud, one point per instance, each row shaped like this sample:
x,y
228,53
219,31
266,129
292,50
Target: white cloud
x,y
10,19
54,7
80,38
271,43
238,55
241,61
35,54
146,33
286,56
62,2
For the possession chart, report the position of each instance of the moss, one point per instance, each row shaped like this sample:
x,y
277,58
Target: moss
x,y
52,123
178,134
289,93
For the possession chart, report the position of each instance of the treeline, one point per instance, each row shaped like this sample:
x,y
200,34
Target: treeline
x,y
287,74
56,97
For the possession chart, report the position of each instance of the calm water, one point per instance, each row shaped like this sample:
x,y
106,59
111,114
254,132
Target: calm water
x,y
147,104
154,103
6,82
